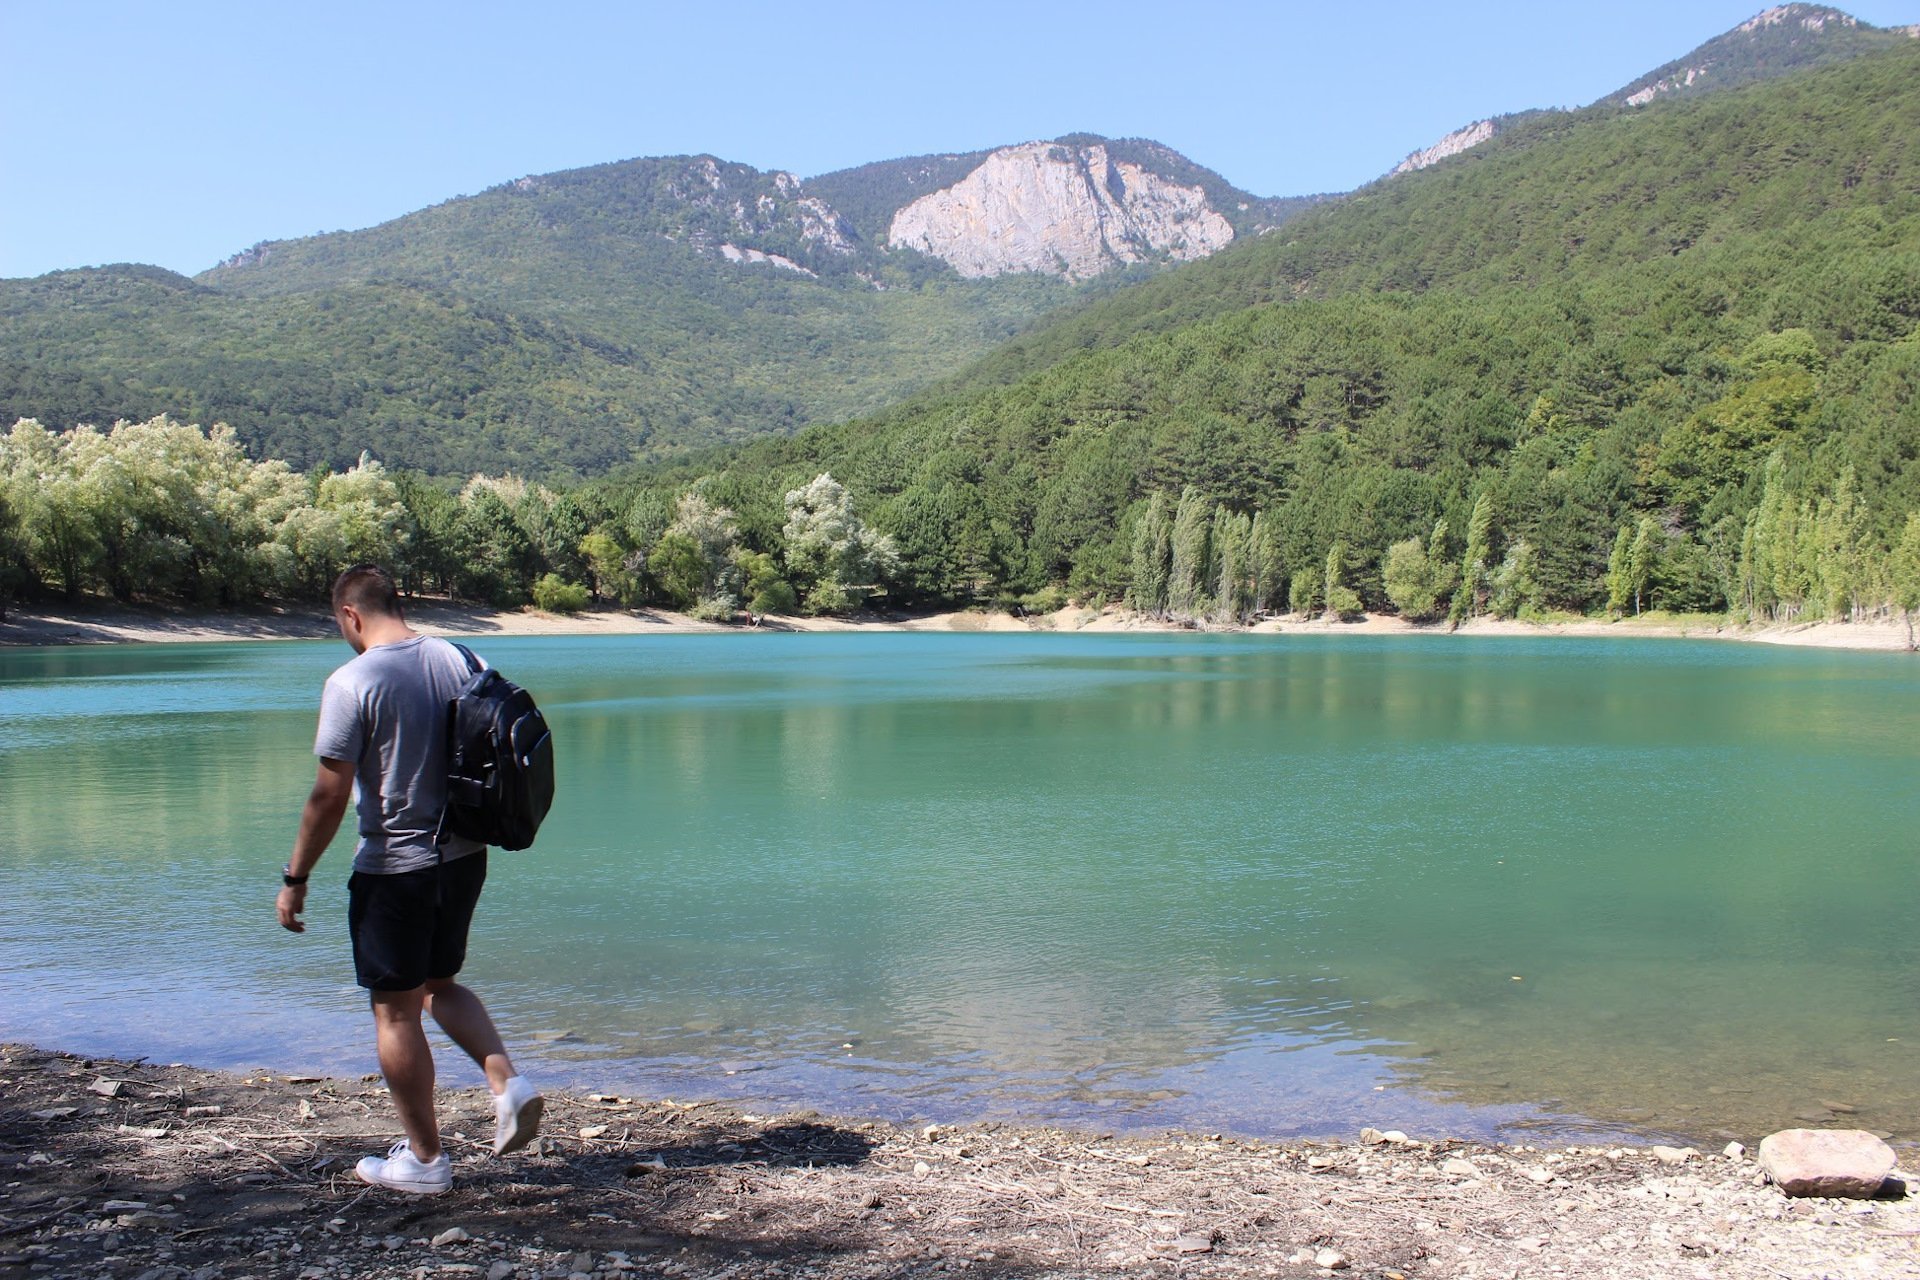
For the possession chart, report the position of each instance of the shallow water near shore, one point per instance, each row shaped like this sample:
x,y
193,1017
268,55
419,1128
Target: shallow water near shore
x,y
1278,886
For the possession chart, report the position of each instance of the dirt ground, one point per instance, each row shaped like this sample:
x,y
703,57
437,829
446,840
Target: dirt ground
x,y
119,1169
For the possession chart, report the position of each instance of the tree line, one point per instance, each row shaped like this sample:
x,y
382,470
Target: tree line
x,y
164,512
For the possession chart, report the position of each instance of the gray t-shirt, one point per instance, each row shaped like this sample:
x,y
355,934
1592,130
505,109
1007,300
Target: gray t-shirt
x,y
386,711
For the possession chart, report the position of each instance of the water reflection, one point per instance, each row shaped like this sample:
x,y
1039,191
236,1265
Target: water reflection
x,y
1261,884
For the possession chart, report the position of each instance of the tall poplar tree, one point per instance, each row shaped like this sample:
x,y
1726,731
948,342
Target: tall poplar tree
x,y
1186,582
1152,557
1471,595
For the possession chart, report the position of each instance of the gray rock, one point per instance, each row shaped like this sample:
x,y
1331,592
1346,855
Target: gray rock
x,y
1458,1168
1331,1260
1846,1163
452,1235
1193,1244
500,1270
1674,1155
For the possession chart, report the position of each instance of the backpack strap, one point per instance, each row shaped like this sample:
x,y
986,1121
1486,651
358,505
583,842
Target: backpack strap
x,y
440,828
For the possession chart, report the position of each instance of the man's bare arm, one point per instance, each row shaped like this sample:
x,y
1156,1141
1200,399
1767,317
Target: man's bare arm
x,y
319,822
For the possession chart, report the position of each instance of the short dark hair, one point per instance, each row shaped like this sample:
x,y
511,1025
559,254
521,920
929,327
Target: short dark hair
x,y
368,588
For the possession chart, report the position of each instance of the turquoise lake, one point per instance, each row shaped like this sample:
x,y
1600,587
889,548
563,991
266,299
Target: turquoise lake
x,y
1268,885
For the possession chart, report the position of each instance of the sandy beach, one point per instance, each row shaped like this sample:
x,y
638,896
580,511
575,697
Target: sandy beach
x,y
126,625
127,1169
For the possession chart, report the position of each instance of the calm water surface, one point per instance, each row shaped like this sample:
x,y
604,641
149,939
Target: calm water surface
x,y
1271,885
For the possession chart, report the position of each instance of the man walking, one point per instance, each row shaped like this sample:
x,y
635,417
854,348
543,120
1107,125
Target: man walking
x,y
383,733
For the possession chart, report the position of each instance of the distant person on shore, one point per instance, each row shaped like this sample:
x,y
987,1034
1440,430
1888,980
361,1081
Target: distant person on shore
x,y
383,725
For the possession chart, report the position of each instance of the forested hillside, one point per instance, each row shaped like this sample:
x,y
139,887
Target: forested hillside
x,y
1693,322
558,325
1557,195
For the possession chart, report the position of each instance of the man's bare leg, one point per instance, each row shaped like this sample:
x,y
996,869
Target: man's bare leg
x,y
406,1060
461,1015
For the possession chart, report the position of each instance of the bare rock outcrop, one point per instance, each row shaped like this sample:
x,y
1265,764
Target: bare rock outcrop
x,y
1059,209
1451,145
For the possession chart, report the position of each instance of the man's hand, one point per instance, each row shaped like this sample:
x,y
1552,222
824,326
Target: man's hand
x,y
293,900
326,803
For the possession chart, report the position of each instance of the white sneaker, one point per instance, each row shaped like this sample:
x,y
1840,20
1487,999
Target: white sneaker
x,y
404,1171
516,1115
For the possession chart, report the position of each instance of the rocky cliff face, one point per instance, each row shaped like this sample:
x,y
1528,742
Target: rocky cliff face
x,y
1451,145
1062,210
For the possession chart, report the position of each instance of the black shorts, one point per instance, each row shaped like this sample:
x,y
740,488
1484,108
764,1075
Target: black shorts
x,y
412,926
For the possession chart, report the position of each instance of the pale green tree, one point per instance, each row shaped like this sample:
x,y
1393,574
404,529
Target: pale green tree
x,y
1515,585
1187,567
55,518
1268,564
1903,572
834,561
606,560
1643,557
1418,578
1619,576
1232,538
1342,601
1470,597
1152,557
1843,569
375,525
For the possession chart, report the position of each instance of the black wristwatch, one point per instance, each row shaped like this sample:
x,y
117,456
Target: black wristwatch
x,y
289,879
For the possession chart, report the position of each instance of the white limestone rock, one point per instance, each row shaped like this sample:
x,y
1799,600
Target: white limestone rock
x,y
1061,210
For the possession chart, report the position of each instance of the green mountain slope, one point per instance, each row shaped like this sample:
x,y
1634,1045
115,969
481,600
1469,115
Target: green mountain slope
x,y
1613,322
1557,195
681,302
1784,38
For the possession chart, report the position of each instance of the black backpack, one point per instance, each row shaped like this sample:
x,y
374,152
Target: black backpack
x,y
499,761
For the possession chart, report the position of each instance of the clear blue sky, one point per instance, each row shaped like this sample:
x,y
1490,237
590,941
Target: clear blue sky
x,y
178,131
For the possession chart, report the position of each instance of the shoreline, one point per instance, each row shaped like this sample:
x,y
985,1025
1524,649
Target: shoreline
x,y
120,1167
128,625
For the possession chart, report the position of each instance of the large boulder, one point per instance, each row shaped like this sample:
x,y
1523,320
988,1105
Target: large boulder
x,y
1849,1163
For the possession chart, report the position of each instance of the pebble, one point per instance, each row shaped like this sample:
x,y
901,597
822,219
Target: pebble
x,y
1674,1155
500,1270
1734,1151
452,1235
592,1131
107,1088
1193,1244
1458,1168
1541,1176
1331,1260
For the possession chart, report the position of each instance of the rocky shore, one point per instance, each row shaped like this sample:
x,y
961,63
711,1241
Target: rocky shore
x,y
127,625
123,1169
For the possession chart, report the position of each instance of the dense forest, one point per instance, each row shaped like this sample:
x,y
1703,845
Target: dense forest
x,y
1626,360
